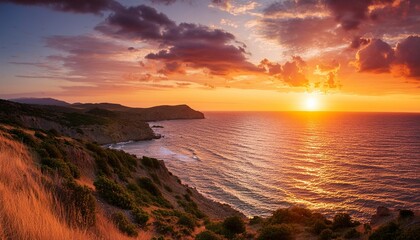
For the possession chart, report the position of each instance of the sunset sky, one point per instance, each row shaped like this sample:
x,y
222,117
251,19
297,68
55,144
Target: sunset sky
x,y
241,55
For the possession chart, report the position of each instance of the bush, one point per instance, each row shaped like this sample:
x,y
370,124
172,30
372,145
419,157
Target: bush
x,y
342,220
386,232
74,170
326,234
163,228
52,150
191,207
352,234
113,193
57,164
291,215
276,232
187,221
150,162
318,227
140,217
149,186
234,224
80,205
207,235
406,214
23,137
124,225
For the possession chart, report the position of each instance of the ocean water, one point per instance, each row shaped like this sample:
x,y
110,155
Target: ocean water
x,y
329,162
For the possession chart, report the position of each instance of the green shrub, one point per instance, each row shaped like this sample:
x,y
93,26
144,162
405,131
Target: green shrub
x,y
113,193
74,170
58,165
140,217
234,224
291,215
150,162
386,232
342,220
405,214
207,235
191,207
149,186
163,228
187,221
80,205
318,227
23,137
276,232
326,234
124,225
352,233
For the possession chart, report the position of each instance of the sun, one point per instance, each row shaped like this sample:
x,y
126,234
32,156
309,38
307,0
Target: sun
x,y
311,103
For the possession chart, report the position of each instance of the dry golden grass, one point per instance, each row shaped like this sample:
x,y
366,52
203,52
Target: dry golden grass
x,y
28,210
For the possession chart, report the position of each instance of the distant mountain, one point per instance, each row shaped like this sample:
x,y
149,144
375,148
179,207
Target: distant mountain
x,y
158,113
41,101
102,123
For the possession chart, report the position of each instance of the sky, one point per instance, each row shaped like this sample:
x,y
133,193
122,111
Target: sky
x,y
215,55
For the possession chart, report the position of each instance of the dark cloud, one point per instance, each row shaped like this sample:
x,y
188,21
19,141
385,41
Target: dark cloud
x,y
359,42
78,6
377,57
305,24
166,2
140,22
184,45
407,54
349,13
219,59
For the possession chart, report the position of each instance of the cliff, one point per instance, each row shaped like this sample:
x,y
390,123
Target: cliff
x,y
102,123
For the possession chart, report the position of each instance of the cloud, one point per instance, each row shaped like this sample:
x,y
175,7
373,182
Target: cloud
x,y
291,72
165,2
359,42
77,6
378,57
184,45
93,59
328,71
306,24
407,56
232,8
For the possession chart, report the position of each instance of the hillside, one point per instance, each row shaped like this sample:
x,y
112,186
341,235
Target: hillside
x,y
101,123
41,101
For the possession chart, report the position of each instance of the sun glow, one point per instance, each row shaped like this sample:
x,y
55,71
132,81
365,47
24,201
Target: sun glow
x,y
311,103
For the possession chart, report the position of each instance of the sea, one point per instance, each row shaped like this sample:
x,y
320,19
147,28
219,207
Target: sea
x,y
258,162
